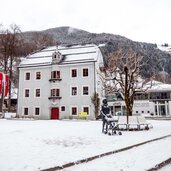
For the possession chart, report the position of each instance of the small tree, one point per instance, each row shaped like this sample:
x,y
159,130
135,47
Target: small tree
x,y
96,102
124,71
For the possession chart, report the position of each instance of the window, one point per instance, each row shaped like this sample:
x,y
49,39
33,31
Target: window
x,y
74,72
55,74
160,95
26,92
86,109
74,111
38,75
62,108
37,111
26,111
85,72
85,90
141,96
74,91
27,76
55,92
54,56
37,92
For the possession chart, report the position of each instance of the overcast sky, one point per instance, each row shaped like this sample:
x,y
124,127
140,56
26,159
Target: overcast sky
x,y
139,20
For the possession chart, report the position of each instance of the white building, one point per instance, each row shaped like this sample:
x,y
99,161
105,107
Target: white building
x,y
156,101
56,83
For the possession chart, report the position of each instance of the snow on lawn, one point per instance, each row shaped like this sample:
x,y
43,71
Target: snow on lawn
x,y
34,145
166,168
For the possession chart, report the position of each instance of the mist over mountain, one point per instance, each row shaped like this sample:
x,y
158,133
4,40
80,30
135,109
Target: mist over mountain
x,y
157,60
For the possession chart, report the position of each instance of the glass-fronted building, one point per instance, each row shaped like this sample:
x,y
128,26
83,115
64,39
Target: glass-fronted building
x,y
155,101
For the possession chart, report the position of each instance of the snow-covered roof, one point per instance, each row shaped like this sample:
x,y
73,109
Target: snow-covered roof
x,y
72,54
165,48
156,86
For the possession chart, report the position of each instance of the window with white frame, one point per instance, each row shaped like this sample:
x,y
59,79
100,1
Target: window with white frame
x,y
85,72
27,76
73,91
37,111
74,111
62,108
37,92
55,74
85,90
55,92
38,75
25,110
27,92
86,109
74,73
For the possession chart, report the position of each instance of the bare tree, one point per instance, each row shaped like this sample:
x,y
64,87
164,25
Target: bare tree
x,y
124,67
37,41
42,40
10,42
13,45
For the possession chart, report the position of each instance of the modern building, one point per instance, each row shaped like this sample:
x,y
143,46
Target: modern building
x,y
155,101
58,82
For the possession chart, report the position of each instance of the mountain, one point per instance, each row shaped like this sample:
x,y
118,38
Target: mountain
x,y
158,60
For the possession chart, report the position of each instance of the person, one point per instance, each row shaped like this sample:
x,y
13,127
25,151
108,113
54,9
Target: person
x,y
104,111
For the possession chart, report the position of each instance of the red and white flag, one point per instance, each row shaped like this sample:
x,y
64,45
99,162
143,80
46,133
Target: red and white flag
x,y
4,83
1,82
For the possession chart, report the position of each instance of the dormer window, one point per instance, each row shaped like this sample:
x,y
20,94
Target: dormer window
x,y
57,57
54,55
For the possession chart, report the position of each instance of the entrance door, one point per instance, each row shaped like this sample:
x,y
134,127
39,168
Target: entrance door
x,y
54,113
162,110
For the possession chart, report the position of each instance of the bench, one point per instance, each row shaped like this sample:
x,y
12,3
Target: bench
x,y
122,122
143,123
134,123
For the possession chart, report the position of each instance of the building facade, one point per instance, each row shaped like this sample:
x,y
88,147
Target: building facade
x,y
156,101
58,83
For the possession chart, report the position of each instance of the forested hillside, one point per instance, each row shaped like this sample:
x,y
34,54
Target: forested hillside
x,y
156,59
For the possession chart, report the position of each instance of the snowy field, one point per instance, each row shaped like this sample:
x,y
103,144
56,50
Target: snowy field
x,y
27,145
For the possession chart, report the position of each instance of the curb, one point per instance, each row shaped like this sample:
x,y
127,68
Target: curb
x,y
160,165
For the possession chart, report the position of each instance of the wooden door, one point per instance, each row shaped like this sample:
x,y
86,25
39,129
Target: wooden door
x,y
54,113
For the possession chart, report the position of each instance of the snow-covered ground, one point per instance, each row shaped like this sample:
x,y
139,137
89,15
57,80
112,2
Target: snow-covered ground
x,y
32,145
